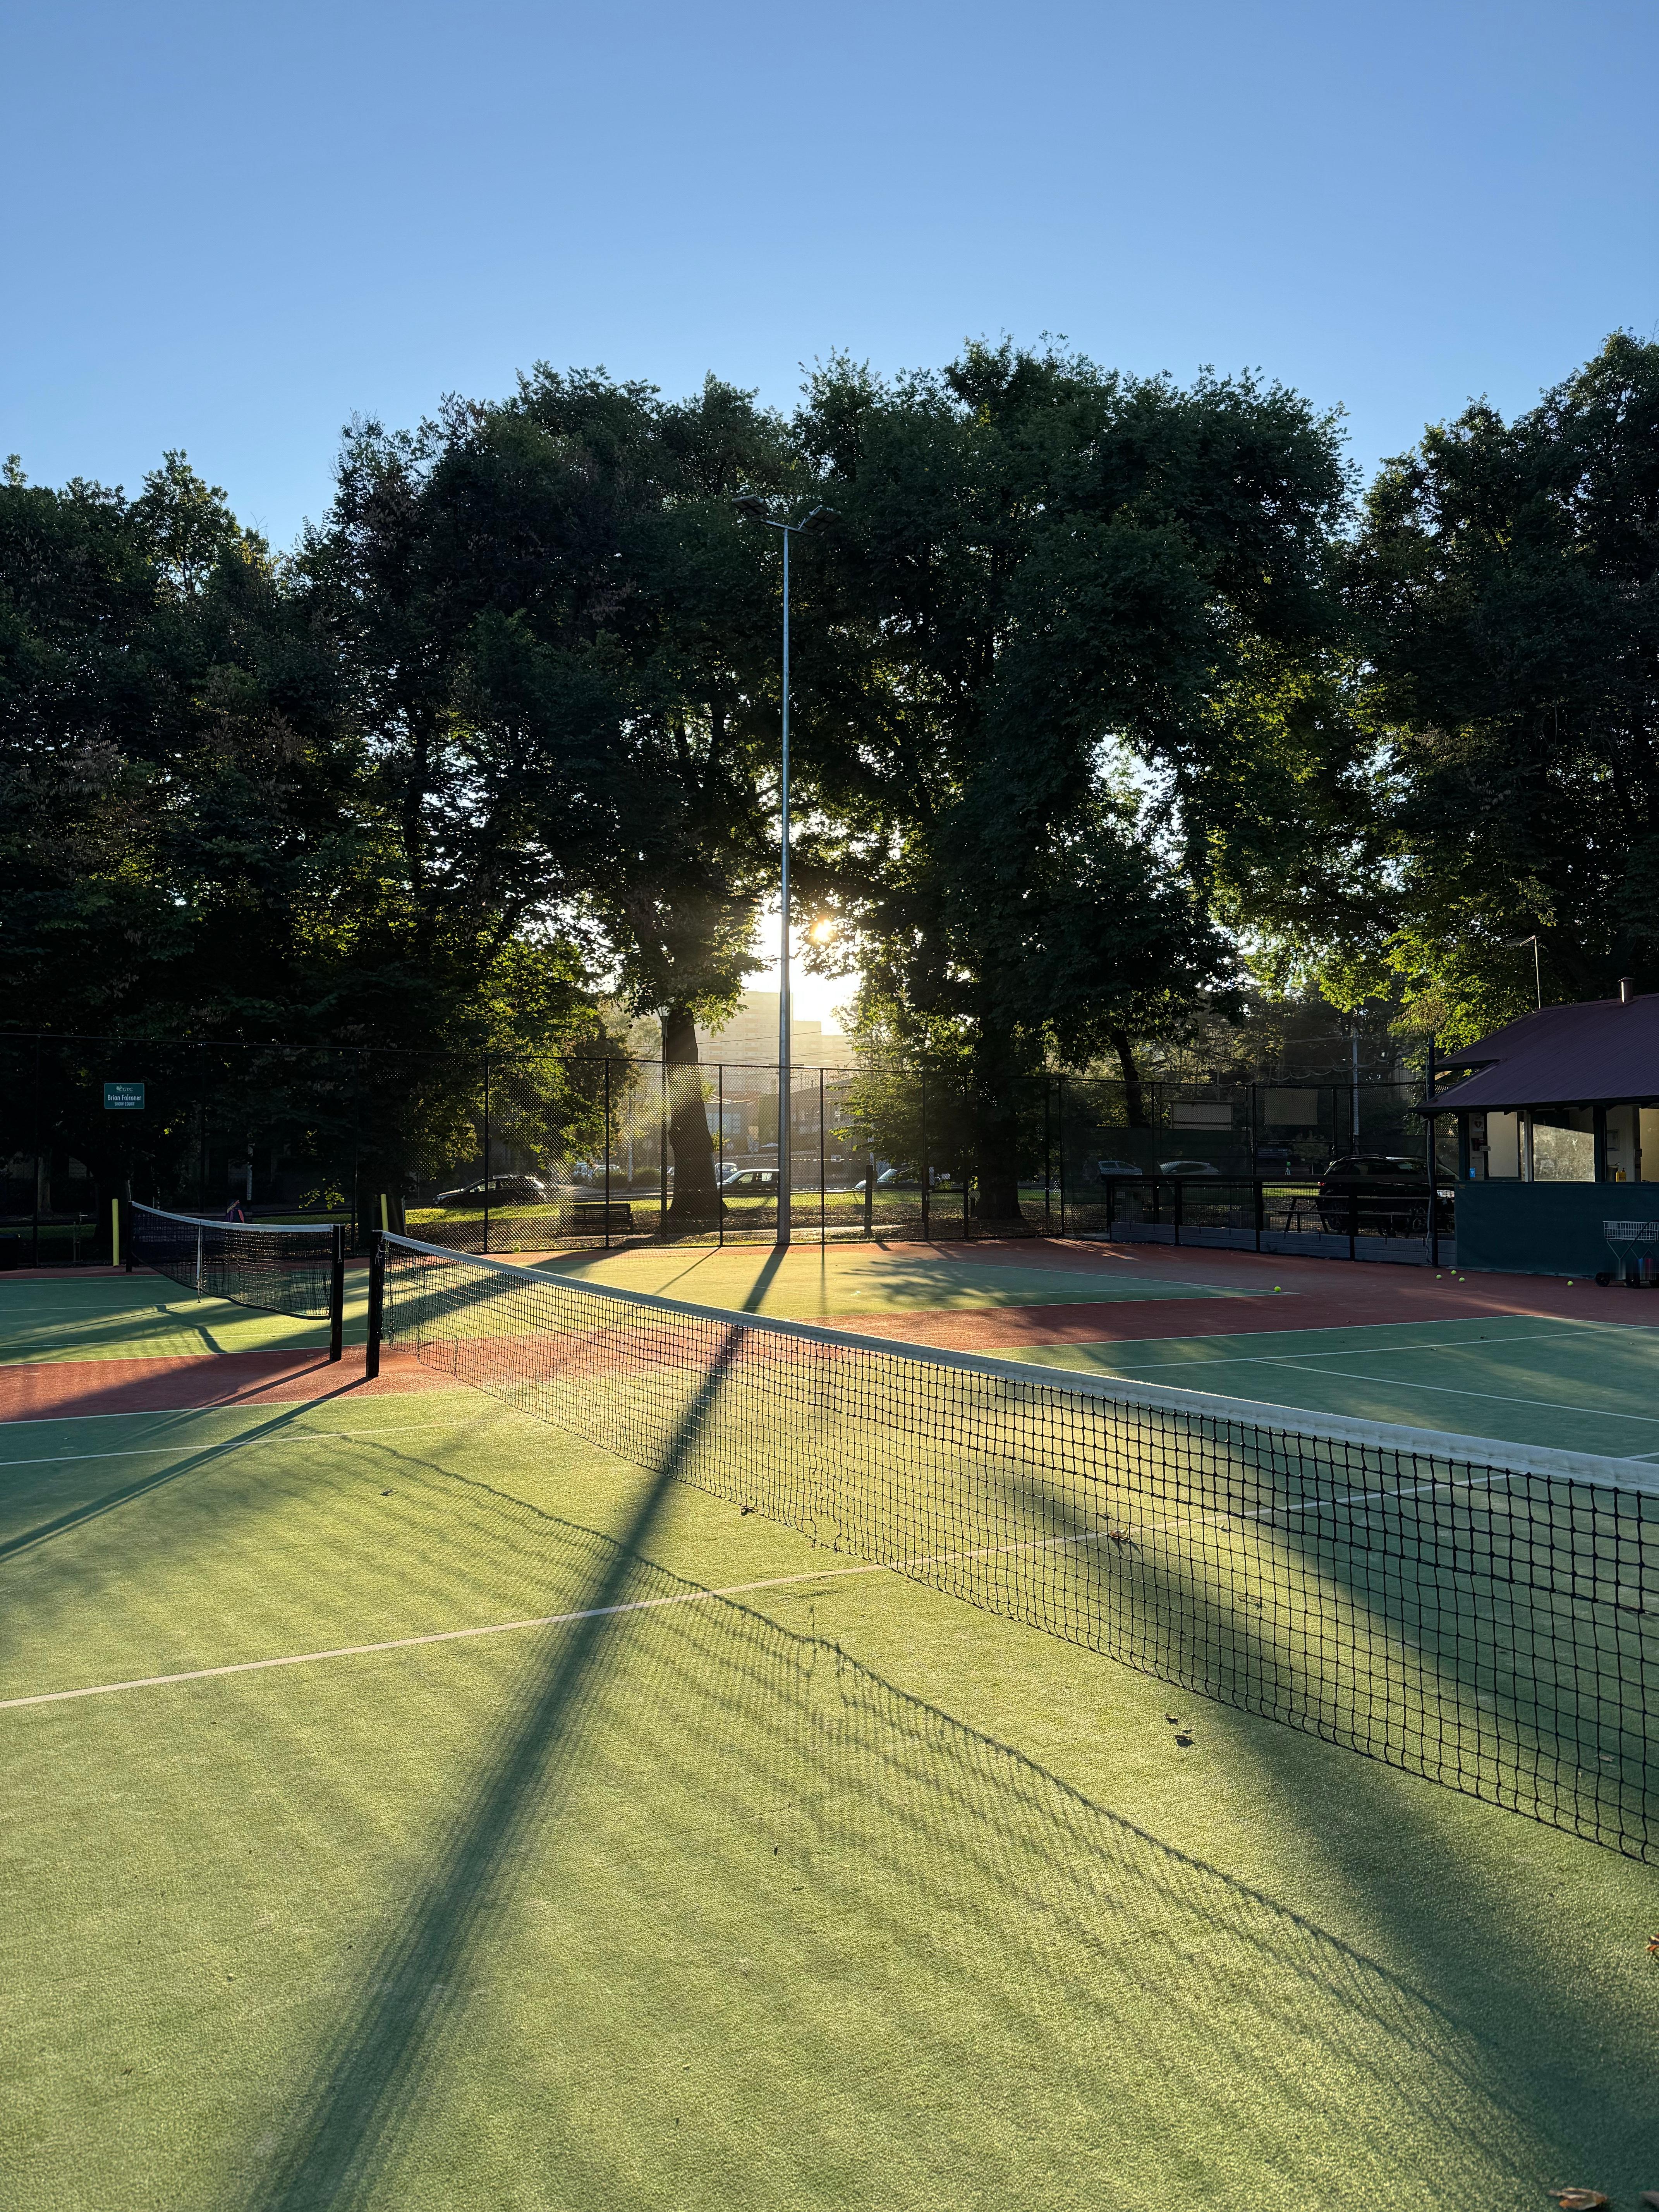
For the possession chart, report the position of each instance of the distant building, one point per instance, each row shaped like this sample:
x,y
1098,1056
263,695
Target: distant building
x,y
1561,1105
750,1039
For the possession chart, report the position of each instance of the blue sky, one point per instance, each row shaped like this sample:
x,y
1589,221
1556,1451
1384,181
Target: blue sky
x,y
230,229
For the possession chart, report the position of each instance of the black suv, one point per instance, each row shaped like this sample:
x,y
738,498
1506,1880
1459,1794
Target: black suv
x,y
1392,1190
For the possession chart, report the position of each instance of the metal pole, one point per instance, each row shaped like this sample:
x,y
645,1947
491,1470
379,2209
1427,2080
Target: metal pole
x,y
823,1169
1434,1178
34,1234
1047,1156
720,1156
486,1147
785,1177
376,1301
925,1194
1059,1116
1353,1062
336,1295
662,1156
607,1153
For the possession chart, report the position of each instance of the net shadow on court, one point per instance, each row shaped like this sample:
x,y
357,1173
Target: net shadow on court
x,y
938,1910
1486,1623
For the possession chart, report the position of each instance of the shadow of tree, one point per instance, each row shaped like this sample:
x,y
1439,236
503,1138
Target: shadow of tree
x,y
723,1918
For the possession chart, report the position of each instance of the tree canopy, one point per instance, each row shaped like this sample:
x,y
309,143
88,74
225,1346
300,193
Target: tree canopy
x,y
1101,692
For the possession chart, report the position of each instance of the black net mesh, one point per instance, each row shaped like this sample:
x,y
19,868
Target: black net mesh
x,y
281,1268
1482,1625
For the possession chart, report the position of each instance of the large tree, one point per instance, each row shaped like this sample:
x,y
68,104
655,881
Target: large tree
x,y
1052,606
554,617
1506,588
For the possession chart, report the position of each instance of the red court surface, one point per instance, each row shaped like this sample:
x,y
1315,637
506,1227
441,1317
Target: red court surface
x,y
1280,1294
73,1389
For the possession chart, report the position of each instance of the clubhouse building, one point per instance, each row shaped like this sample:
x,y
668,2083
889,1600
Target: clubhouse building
x,y
1557,1107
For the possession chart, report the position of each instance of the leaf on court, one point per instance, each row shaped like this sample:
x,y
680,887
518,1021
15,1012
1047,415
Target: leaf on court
x,y
1585,2200
1183,1739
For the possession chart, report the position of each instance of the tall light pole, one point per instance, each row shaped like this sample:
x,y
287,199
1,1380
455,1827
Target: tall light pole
x,y
754,509
1514,944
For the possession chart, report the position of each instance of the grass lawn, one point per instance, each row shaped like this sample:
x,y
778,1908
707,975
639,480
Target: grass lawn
x,y
829,1892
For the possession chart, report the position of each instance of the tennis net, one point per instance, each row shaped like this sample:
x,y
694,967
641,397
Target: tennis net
x,y
280,1267
1478,1615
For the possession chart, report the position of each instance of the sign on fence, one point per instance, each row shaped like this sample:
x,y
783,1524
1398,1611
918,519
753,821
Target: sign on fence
x,y
123,1097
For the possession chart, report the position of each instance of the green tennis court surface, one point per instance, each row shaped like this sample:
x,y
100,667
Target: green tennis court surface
x,y
828,1893
809,1283
1572,1385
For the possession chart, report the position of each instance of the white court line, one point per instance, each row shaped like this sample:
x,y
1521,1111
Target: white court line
x,y
1448,1390
171,1412
1264,1514
1379,1350
152,1451
439,1636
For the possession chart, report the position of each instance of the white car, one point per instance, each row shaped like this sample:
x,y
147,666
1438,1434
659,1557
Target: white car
x,y
1113,1170
1188,1167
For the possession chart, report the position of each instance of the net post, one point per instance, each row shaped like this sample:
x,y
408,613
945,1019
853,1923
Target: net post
x,y
115,1232
376,1303
337,1296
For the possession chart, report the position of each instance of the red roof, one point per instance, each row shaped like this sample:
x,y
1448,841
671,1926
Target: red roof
x,y
1594,1053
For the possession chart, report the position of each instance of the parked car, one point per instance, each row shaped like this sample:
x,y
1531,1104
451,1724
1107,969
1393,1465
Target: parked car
x,y
1391,1189
498,1190
901,1179
1188,1167
749,1182
1110,1171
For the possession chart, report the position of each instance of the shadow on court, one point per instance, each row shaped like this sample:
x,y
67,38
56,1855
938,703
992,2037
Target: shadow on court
x,y
366,2078
900,1964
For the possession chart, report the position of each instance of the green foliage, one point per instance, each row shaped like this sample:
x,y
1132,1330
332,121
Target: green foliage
x,y
1505,588
1042,573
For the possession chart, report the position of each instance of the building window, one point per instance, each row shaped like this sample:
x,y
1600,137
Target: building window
x,y
1622,1159
1563,1144
1503,1145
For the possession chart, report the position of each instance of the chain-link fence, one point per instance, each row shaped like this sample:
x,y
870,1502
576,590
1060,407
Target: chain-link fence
x,y
525,1154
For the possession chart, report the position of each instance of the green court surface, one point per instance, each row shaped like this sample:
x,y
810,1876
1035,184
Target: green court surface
x,y
813,1281
829,1892
147,1317
1574,1386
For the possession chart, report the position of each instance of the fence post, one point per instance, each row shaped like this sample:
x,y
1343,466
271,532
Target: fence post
x,y
1260,1205
662,1150
1048,1157
1061,1117
1178,1194
1434,1176
1354,1221
870,1195
823,1169
34,1232
719,1155
486,1150
924,1169
607,1152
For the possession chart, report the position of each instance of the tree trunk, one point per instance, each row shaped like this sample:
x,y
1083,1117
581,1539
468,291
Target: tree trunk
x,y
1134,1097
996,1129
696,1204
